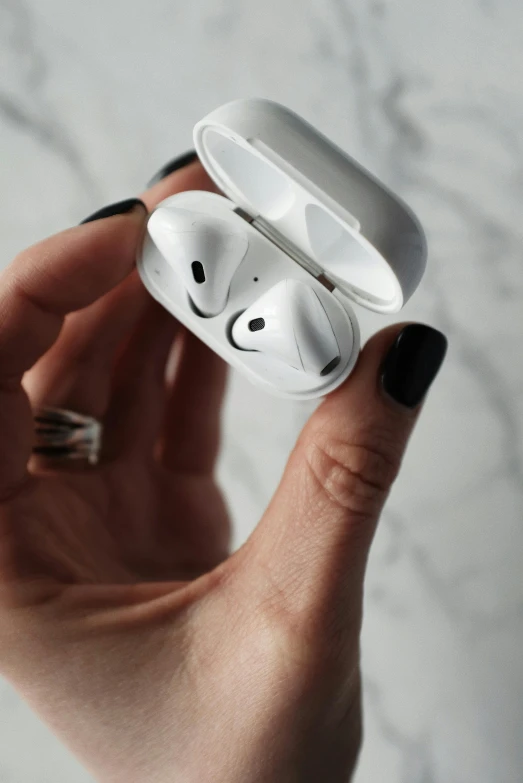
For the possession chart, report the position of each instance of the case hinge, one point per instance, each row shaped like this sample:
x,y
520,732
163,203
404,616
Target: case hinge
x,y
287,246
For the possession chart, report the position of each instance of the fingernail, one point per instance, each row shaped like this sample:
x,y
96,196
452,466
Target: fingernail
x,y
412,364
120,208
173,165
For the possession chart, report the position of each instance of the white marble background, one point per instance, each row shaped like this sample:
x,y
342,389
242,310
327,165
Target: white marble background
x,y
94,96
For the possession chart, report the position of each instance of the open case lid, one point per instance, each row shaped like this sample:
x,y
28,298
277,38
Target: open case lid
x,y
296,182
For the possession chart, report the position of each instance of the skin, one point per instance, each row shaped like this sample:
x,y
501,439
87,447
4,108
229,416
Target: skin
x,y
125,622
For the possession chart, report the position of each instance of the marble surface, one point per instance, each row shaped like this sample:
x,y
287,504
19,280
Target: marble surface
x,y
95,96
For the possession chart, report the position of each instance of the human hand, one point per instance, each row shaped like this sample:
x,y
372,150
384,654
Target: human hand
x,y
153,653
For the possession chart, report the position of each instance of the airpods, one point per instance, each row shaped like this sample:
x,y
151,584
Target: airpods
x,y
205,252
266,268
290,323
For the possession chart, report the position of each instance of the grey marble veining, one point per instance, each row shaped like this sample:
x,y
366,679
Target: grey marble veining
x,y
95,96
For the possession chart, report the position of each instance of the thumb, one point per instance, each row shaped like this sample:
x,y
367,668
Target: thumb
x,y
313,541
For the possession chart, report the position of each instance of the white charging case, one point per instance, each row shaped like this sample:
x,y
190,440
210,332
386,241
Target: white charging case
x,y
310,213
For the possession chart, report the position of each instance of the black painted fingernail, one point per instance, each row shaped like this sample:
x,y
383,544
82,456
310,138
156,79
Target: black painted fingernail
x,y
412,364
173,165
120,208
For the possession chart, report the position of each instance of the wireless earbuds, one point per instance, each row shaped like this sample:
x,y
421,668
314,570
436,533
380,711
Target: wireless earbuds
x,y
205,252
267,274
290,323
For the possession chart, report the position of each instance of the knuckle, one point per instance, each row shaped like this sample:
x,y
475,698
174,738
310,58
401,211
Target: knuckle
x,y
355,475
301,636
304,646
287,642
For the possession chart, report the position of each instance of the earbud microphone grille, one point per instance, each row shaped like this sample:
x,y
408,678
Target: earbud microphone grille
x,y
331,366
257,325
198,272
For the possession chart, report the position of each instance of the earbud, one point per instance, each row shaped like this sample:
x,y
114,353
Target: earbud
x,y
289,323
204,251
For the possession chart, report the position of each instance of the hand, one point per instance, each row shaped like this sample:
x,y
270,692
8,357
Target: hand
x,y
124,621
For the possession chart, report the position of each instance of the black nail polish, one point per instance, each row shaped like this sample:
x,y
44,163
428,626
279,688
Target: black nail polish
x,y
178,163
412,364
120,208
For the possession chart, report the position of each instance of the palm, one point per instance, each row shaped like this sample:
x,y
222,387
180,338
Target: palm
x,y
124,523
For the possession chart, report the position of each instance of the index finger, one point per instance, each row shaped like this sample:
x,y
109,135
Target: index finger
x,y
59,275
190,177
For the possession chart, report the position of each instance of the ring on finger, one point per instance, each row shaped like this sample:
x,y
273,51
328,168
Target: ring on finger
x,y
62,434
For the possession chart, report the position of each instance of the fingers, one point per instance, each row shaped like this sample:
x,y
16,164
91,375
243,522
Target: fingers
x,y
191,413
314,539
190,438
137,406
64,273
191,433
59,275
76,373
191,177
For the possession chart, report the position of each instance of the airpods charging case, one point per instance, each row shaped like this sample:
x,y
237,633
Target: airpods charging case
x,y
309,213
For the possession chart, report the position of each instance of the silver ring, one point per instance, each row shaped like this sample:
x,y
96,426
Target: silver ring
x,y
66,435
